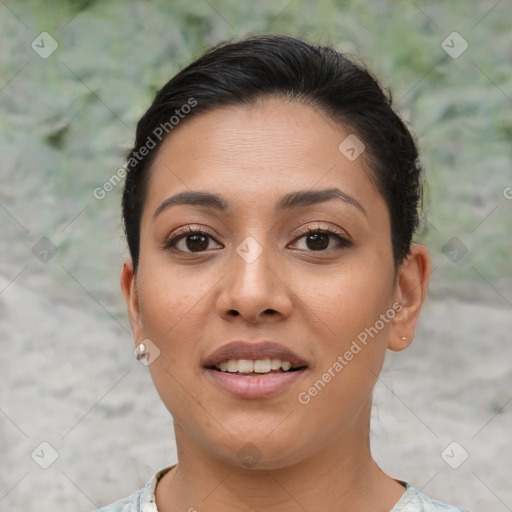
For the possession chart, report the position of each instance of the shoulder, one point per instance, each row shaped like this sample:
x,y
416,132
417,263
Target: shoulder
x,y
141,501
129,504
137,502
413,500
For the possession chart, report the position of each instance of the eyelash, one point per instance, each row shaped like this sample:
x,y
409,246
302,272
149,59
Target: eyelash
x,y
343,241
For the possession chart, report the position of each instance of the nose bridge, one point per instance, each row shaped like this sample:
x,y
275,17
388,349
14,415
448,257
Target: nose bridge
x,y
253,287
251,266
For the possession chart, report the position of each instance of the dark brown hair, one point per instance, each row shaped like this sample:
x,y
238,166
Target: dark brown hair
x,y
275,65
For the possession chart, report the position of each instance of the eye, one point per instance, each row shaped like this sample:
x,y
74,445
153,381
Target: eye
x,y
320,239
192,240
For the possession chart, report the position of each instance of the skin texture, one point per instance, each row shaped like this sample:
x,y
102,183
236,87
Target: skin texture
x,y
313,456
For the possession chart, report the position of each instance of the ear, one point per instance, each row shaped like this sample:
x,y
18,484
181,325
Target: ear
x,y
410,291
129,289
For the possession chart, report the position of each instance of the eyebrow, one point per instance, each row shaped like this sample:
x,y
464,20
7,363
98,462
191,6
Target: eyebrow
x,y
298,199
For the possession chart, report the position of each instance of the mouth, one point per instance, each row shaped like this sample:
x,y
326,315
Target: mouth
x,y
254,370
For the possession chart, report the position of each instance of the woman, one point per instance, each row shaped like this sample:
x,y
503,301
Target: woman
x,y
270,204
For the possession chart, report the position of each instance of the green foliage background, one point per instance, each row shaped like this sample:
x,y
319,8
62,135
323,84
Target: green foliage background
x,y
67,121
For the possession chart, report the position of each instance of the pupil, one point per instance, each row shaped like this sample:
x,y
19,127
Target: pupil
x,y
197,239
318,241
314,241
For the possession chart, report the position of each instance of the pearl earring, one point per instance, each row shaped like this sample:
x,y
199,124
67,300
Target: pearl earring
x,y
141,352
404,338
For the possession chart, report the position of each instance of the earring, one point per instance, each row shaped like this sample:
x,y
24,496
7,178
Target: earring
x,y
404,338
141,352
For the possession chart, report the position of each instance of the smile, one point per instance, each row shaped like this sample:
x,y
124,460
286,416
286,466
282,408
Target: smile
x,y
247,366
247,382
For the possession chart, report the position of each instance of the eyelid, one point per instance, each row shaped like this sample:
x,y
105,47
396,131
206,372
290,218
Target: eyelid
x,y
344,238
189,229
330,229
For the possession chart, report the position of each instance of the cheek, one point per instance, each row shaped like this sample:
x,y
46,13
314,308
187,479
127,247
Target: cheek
x,y
172,315
349,300
352,341
167,297
351,336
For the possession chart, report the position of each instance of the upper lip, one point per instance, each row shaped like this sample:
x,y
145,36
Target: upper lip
x,y
252,351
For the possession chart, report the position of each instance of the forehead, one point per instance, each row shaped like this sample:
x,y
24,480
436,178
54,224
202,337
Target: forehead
x,y
258,153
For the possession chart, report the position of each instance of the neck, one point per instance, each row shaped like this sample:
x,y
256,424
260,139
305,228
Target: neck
x,y
342,472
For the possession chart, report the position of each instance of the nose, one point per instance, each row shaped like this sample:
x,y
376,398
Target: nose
x,y
255,289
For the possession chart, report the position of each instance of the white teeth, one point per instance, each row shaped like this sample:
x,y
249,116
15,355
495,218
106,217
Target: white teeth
x,y
285,365
262,366
275,364
258,366
232,365
245,366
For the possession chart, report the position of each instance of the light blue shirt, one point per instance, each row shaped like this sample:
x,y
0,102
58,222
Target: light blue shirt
x,y
143,500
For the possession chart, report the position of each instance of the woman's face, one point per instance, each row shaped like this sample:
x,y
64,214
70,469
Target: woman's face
x,y
255,275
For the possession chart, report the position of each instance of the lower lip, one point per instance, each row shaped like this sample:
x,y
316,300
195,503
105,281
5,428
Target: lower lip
x,y
252,386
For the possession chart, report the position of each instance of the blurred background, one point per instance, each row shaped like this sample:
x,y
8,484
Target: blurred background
x,y
80,422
